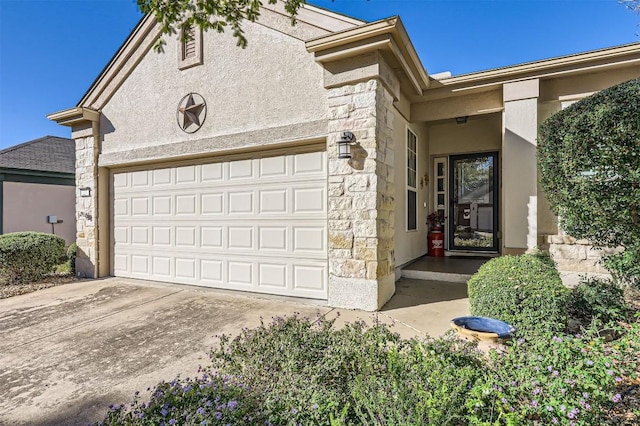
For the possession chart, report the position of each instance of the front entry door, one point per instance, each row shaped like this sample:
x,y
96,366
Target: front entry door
x,y
473,209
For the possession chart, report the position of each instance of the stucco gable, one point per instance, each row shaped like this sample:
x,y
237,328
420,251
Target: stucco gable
x,y
274,83
311,22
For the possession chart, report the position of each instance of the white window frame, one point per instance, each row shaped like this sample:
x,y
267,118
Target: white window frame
x,y
414,188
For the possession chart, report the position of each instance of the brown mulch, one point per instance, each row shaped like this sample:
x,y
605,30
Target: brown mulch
x,y
10,290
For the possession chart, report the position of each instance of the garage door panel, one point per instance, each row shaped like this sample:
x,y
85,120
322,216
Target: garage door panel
x,y
240,238
185,268
212,172
309,239
253,225
211,271
212,203
140,235
311,163
185,174
273,166
211,237
161,266
273,238
272,275
309,200
273,201
240,202
161,177
185,204
140,264
161,205
242,169
310,278
240,273
139,206
121,207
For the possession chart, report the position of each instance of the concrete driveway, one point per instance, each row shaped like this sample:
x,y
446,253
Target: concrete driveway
x,y
68,352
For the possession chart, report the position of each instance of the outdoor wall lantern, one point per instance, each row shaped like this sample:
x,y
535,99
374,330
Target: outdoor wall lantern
x,y
344,145
85,192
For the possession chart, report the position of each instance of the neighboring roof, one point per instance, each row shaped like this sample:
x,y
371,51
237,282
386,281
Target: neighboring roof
x,y
47,154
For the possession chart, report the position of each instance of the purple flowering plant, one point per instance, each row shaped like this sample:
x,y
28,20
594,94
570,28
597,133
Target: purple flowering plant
x,y
562,379
203,400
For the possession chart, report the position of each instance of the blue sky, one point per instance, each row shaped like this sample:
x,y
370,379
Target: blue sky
x,y
64,44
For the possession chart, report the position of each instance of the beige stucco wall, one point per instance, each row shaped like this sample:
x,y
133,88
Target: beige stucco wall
x,y
27,205
272,84
410,244
478,134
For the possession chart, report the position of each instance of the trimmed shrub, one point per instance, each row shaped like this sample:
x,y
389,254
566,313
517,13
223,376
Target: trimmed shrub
x,y
525,291
29,256
601,300
589,164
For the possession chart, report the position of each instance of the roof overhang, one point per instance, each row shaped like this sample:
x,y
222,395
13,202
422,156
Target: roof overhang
x,y
387,36
73,116
594,61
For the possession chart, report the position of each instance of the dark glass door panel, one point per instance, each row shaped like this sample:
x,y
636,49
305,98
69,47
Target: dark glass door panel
x,y
473,217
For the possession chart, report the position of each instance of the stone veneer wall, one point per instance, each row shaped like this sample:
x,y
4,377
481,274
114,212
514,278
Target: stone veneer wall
x,y
361,200
86,207
575,255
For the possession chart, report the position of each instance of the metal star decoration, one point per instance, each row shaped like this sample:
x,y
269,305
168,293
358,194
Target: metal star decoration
x,y
192,111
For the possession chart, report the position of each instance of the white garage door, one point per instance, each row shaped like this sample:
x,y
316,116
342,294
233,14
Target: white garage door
x,y
254,225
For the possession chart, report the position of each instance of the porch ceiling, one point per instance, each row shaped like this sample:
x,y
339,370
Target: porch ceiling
x,y
457,105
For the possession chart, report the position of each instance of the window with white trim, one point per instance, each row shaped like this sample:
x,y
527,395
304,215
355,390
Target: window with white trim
x,y
412,178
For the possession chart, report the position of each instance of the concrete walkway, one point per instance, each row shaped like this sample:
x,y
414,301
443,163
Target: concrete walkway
x,y
68,352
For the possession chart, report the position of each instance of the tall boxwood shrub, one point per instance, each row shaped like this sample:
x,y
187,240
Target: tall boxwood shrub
x,y
589,163
525,291
29,256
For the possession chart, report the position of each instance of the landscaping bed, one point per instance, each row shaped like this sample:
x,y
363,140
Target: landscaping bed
x,y
10,290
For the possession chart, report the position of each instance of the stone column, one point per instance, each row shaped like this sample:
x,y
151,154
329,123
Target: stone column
x,y
519,165
86,207
361,200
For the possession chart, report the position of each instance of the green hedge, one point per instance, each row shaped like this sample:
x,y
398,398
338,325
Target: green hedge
x,y
589,166
29,256
525,291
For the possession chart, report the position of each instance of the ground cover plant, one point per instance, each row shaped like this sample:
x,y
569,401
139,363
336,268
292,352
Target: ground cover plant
x,y
305,371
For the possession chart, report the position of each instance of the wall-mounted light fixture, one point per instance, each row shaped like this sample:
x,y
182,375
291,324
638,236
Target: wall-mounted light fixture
x,y
85,192
344,144
462,120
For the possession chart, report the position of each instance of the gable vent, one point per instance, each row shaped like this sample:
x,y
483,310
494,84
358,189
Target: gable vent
x,y
189,45
190,48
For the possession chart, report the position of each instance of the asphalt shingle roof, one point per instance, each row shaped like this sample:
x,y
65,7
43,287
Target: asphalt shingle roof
x,y
49,154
